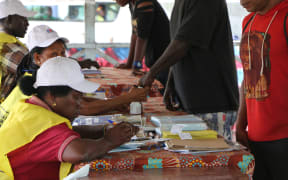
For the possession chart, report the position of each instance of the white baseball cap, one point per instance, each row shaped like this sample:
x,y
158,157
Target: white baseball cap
x,y
63,71
12,7
42,36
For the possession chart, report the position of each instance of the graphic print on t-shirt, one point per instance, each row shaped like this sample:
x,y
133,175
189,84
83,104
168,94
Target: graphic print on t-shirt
x,y
257,73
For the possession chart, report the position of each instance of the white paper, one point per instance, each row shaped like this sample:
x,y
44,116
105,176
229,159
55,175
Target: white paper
x,y
177,128
82,172
185,135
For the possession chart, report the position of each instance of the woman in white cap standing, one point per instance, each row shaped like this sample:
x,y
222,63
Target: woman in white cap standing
x,y
13,24
37,140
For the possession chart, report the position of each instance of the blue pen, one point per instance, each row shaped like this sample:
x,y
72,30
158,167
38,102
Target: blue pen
x,y
112,122
27,70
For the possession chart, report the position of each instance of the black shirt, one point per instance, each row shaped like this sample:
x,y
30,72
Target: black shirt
x,y
151,23
205,79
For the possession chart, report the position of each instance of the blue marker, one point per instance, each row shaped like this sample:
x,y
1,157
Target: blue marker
x,y
112,122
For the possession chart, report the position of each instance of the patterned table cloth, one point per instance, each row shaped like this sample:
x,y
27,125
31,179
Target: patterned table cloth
x,y
116,81
149,159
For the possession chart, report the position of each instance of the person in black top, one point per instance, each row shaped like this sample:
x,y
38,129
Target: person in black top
x,y
200,54
150,35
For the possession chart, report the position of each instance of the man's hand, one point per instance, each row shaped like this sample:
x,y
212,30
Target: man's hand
x,y
146,80
170,93
169,99
123,66
242,137
138,94
88,63
137,72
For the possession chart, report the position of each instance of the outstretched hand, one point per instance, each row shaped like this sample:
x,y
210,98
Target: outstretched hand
x,y
138,94
123,66
146,80
137,72
169,99
88,63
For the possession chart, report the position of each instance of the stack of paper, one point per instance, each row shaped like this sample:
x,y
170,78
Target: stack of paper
x,y
189,122
94,120
92,70
204,134
198,145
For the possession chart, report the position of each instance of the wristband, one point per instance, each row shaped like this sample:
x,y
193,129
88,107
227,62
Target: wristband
x,y
137,65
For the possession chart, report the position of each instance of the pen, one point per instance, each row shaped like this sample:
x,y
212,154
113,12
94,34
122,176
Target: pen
x,y
112,122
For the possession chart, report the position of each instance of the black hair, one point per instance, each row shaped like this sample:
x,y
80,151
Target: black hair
x,y
28,64
26,86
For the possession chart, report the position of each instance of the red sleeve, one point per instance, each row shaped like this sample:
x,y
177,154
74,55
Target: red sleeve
x,y
49,145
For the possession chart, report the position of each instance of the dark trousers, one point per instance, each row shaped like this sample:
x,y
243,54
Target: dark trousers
x,y
271,159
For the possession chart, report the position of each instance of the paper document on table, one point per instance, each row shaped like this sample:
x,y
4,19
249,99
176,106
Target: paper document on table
x,y
180,119
198,145
92,70
123,148
82,172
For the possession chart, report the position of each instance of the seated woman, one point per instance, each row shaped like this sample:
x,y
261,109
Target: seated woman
x,y
44,43
37,139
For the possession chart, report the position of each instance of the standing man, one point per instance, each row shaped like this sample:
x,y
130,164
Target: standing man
x,y
263,107
203,72
150,35
13,24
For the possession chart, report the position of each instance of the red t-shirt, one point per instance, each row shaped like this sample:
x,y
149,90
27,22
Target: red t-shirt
x,y
41,158
266,81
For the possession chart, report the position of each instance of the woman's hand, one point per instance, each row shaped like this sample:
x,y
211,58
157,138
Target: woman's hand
x,y
120,133
138,94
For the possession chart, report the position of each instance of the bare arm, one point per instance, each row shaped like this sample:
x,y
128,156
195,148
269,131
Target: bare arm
x,y
83,150
174,52
128,64
101,106
140,49
91,132
241,123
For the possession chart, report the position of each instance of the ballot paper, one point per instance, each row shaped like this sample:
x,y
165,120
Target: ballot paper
x,y
198,144
92,70
82,172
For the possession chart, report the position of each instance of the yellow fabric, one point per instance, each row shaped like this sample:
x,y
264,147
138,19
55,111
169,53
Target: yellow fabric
x,y
15,96
205,134
4,176
24,123
6,38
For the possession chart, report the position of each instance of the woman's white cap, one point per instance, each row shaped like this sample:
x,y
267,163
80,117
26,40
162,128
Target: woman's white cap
x,y
12,7
63,71
42,36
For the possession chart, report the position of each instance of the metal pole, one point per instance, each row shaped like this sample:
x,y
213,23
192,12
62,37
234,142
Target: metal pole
x,y
90,6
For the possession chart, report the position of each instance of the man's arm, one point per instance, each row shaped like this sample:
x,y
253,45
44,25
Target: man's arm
x,y
145,19
241,123
175,51
128,64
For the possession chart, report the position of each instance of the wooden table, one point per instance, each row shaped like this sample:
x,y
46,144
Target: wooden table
x,y
116,81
